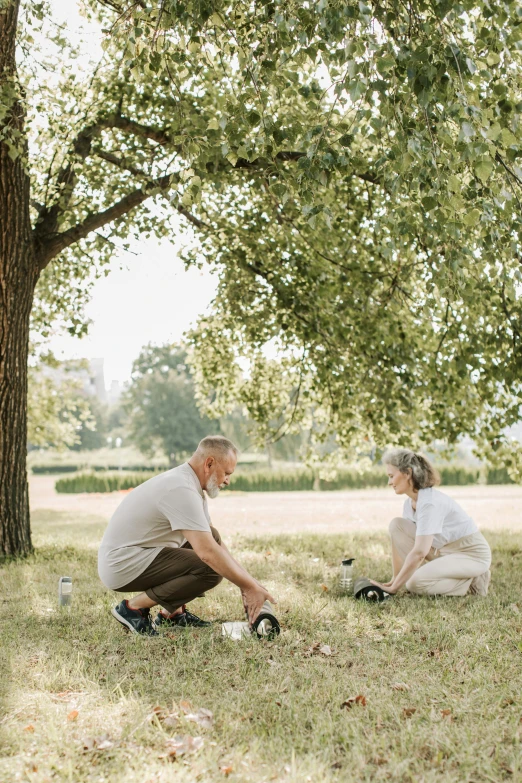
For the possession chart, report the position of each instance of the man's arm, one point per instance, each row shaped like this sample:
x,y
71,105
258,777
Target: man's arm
x,y
221,561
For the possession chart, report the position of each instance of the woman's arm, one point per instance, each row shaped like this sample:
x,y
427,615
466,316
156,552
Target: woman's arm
x,y
413,560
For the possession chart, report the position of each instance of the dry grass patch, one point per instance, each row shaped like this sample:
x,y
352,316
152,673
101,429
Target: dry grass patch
x,y
411,690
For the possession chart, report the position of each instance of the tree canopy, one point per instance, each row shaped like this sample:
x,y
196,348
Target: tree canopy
x,y
351,170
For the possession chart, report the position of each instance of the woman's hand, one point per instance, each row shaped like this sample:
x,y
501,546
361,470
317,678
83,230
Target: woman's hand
x,y
386,586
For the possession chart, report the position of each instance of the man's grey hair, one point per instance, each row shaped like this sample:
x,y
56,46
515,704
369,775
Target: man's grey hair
x,y
215,446
413,464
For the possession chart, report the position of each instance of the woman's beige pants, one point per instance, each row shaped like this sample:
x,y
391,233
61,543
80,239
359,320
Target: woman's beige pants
x,y
449,570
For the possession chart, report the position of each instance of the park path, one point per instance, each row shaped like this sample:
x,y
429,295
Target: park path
x,y
261,513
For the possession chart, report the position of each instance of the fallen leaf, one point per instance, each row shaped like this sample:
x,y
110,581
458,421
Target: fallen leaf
x,y
407,712
278,702
400,686
165,716
349,703
66,695
447,714
227,770
202,717
105,745
507,702
267,554
29,728
318,649
186,706
324,588
183,745
72,715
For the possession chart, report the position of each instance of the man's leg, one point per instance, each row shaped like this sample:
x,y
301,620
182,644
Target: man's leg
x,y
175,577
144,601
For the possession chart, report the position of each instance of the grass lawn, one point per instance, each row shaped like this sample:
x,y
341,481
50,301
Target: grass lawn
x,y
81,700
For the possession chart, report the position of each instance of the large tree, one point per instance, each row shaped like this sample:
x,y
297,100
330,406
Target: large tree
x,y
350,168
161,406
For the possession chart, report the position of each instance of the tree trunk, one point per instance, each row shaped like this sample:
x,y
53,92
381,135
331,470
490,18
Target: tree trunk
x,y
18,276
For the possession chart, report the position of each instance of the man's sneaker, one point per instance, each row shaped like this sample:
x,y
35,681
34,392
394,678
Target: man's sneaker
x,y
136,620
479,585
184,619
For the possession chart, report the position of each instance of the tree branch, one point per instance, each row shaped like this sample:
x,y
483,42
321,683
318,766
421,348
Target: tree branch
x,y
55,245
121,163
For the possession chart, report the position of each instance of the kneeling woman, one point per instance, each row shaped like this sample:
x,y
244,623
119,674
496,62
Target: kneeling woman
x,y
433,528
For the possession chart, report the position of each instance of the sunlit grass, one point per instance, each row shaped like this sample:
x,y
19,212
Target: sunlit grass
x,y
277,708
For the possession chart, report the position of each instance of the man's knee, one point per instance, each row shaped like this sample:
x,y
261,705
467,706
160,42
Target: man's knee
x,y
215,534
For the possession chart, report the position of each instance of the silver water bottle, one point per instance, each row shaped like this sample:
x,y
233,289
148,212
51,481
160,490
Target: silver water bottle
x,y
346,576
65,591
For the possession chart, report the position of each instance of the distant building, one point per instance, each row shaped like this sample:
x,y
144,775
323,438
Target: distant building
x,y
98,378
87,372
114,393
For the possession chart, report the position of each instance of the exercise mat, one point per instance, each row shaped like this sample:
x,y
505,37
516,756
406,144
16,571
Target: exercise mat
x,y
366,590
235,630
266,624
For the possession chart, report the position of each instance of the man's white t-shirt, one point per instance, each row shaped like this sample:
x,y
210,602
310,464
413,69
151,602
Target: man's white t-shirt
x,y
151,518
439,516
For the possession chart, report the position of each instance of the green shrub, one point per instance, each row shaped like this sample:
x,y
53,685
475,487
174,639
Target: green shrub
x,y
110,482
498,476
50,469
453,475
266,480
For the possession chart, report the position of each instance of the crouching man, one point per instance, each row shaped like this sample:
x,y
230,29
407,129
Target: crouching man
x,y
160,541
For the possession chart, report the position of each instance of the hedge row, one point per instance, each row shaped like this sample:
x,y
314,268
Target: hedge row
x,y
277,480
346,478
50,469
90,482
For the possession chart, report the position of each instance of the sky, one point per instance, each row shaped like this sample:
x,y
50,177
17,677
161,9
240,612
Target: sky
x,y
145,298
148,297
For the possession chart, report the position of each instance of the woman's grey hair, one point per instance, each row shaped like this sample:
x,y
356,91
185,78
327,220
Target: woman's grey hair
x,y
413,464
216,446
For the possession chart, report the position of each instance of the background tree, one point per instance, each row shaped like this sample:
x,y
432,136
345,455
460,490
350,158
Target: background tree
x,y
58,413
160,404
350,168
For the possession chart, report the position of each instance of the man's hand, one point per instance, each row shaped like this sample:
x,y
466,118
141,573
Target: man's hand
x,y
253,600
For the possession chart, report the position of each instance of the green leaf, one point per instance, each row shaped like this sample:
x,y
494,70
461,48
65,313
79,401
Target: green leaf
x,y
472,218
483,169
454,183
346,140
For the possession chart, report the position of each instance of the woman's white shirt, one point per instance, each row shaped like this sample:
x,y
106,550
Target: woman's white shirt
x,y
439,516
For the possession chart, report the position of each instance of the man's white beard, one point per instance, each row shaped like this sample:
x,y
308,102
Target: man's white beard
x,y
212,488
